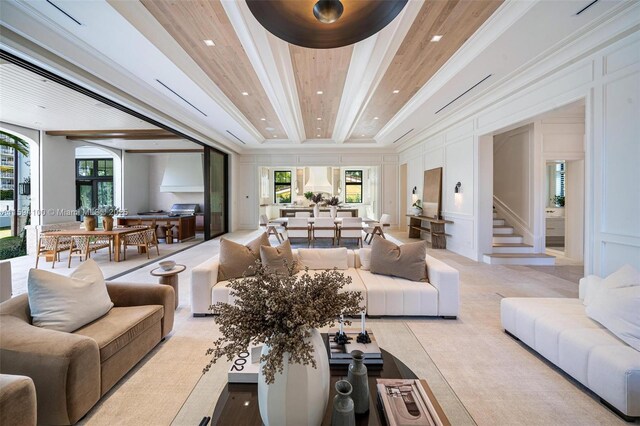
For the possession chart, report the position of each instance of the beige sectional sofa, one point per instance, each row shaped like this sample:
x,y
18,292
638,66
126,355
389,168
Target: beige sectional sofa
x,y
382,295
72,371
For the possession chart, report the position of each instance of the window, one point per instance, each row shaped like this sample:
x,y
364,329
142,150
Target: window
x,y
353,186
560,179
281,186
94,182
94,168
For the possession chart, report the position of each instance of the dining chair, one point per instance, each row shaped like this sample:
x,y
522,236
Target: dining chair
x,y
146,238
272,228
298,229
374,228
350,228
83,245
51,245
324,214
303,214
343,214
324,228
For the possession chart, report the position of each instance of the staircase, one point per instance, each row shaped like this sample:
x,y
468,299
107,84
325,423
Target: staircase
x,y
509,248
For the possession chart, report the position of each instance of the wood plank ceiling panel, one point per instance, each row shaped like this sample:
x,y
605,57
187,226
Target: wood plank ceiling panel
x,y
418,58
227,65
320,70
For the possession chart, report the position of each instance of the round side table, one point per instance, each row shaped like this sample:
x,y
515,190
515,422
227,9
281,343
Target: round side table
x,y
170,278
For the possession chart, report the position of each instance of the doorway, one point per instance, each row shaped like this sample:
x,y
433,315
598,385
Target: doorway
x,y
403,196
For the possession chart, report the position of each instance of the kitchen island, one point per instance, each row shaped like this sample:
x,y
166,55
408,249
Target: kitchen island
x,y
184,226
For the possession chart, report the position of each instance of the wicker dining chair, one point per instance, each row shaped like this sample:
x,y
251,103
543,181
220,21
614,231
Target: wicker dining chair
x,y
49,244
83,245
146,238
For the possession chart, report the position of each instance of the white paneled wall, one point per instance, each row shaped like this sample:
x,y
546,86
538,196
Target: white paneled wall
x,y
608,80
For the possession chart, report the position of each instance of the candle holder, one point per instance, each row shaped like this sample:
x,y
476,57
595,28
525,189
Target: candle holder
x,y
363,337
341,337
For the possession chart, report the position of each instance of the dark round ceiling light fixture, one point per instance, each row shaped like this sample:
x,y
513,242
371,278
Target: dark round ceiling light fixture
x,y
328,11
324,24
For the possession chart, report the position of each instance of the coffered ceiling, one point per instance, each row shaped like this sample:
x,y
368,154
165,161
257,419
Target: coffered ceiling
x,y
212,68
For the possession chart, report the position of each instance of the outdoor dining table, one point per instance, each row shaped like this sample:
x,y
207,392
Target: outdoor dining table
x,y
117,234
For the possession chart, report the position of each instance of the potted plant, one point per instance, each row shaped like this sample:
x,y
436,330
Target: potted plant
x,y
107,213
89,217
283,313
333,203
416,208
558,200
317,199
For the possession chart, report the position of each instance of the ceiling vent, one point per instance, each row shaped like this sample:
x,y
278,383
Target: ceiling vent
x,y
183,173
587,7
241,141
464,93
403,136
186,101
65,13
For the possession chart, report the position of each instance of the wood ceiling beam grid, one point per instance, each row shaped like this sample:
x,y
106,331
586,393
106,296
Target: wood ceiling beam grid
x,y
320,70
132,134
418,59
226,63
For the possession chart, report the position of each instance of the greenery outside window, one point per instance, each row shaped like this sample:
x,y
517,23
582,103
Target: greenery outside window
x,y
282,186
353,186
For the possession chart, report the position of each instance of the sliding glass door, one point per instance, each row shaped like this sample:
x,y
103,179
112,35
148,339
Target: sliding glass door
x,y
216,193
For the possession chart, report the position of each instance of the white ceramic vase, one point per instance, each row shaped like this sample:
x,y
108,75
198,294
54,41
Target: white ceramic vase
x,y
316,210
300,393
334,211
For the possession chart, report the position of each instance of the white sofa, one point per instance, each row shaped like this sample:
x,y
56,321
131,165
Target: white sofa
x,y
382,295
560,330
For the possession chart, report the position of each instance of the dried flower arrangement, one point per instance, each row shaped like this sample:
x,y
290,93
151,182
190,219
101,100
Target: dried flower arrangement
x,y
280,311
317,198
333,201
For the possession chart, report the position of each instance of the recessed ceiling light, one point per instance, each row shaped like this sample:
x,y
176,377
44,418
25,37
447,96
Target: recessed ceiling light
x,y
263,119
317,135
209,42
319,118
375,118
362,135
319,92
318,128
275,136
396,91
436,38
245,94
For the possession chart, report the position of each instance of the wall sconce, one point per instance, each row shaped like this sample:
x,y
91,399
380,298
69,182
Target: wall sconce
x,y
457,188
415,189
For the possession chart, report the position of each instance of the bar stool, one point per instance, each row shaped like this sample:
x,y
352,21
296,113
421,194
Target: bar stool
x,y
168,236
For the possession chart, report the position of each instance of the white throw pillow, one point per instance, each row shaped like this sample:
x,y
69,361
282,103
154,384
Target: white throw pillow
x,y
323,258
67,303
626,276
365,258
618,309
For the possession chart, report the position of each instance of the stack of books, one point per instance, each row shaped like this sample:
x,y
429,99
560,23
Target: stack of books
x,y
341,353
246,366
409,402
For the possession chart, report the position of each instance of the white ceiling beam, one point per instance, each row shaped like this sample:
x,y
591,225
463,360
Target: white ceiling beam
x,y
369,63
271,61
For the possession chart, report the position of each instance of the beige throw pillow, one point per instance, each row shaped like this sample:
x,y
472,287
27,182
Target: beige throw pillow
x,y
405,261
277,260
328,258
237,260
67,303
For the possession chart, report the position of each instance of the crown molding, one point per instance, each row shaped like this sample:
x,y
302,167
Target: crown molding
x,y
506,15
618,23
271,61
369,63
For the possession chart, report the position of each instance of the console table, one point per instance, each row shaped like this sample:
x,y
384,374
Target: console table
x,y
434,229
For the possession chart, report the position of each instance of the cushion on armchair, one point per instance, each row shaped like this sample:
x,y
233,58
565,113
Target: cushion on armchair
x,y
237,260
67,303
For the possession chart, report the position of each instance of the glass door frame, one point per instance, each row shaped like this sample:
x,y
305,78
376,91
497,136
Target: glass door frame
x,y
207,193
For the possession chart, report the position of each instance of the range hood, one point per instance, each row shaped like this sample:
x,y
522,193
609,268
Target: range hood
x,y
318,181
183,173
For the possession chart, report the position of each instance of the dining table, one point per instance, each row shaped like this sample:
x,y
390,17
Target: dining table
x,y
116,234
377,227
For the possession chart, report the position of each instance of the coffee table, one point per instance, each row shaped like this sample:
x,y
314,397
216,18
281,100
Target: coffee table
x,y
238,403
393,334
